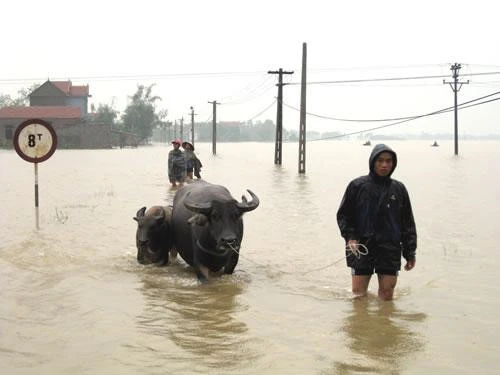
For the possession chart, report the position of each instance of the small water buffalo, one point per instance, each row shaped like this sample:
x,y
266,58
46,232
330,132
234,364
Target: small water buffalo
x,y
154,238
208,227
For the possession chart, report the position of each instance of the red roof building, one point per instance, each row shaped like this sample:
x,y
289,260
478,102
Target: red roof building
x,y
64,106
61,93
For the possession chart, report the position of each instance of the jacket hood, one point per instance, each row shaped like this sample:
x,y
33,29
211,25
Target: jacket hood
x,y
377,150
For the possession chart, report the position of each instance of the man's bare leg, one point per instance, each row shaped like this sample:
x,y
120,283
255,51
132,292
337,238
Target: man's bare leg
x,y
360,285
386,285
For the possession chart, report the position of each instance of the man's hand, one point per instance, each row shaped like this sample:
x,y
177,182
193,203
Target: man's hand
x,y
410,264
352,244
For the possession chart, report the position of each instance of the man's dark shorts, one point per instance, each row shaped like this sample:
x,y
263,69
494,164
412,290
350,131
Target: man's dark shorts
x,y
369,272
383,260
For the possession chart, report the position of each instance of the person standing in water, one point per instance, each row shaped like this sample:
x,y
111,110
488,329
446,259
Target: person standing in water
x,y
176,164
193,164
376,220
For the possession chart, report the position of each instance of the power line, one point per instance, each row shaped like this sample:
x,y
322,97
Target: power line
x,y
261,112
368,80
388,79
248,93
386,119
403,121
135,76
219,74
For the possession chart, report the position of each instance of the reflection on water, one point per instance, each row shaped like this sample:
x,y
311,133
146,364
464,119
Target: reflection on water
x,y
198,319
380,336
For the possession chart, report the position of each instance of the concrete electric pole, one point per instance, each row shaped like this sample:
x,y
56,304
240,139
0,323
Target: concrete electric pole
x,y
192,125
456,86
279,115
214,122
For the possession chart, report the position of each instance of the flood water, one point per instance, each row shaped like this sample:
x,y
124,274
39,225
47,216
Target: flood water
x,y
75,301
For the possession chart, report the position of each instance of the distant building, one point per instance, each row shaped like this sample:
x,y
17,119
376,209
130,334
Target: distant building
x,y
65,107
62,94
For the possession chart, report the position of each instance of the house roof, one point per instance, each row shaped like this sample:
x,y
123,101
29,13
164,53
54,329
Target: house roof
x,y
61,112
70,90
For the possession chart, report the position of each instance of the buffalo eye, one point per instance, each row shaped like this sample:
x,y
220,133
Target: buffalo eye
x,y
216,216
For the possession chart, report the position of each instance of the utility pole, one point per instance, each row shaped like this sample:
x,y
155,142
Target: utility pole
x,y
302,130
279,115
168,131
175,129
192,125
214,122
456,86
182,128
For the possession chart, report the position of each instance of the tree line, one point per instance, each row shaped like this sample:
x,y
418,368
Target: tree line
x,y
142,118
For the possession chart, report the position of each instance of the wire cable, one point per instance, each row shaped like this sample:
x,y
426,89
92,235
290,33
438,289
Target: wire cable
x,y
403,121
387,119
261,112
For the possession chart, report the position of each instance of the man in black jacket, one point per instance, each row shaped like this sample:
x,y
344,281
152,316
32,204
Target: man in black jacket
x,y
376,220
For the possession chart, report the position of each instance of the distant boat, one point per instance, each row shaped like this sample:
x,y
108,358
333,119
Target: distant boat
x,y
367,143
435,144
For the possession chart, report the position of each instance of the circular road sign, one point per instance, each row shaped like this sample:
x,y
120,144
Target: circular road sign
x,y
35,140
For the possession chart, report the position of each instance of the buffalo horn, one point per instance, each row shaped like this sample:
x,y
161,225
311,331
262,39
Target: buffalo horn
x,y
160,215
246,206
202,208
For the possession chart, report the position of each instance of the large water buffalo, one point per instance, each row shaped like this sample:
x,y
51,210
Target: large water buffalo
x,y
154,237
208,227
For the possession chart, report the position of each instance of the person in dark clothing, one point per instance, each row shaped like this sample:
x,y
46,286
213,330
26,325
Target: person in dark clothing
x,y
376,215
192,161
176,164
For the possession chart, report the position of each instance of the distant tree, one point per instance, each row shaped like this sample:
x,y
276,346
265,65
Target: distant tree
x,y
5,100
290,135
21,100
105,114
162,122
266,131
140,116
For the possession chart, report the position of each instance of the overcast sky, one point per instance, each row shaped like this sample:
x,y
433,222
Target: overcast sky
x,y
200,51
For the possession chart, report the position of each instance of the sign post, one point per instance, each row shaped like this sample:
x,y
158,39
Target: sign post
x,y
35,141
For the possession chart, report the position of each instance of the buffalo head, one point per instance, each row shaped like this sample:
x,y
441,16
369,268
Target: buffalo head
x,y
153,237
220,223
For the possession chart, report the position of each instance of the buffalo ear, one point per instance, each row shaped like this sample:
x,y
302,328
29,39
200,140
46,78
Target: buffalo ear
x,y
198,219
141,212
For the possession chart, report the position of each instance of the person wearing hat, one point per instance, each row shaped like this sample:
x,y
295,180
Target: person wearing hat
x,y
192,161
176,164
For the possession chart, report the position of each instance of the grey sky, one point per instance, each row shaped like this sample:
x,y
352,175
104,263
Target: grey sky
x,y
113,46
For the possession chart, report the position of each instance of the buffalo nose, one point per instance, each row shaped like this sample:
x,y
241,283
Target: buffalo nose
x,y
232,242
143,242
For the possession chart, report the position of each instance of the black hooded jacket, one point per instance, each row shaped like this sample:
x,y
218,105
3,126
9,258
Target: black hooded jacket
x,y
377,212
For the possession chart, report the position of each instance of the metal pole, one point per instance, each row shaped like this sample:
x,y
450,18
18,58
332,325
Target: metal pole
x,y
279,120
456,86
302,131
182,129
214,126
36,198
455,79
192,125
279,117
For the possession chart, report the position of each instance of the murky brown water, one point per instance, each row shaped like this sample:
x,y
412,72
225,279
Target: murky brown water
x,y
74,300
